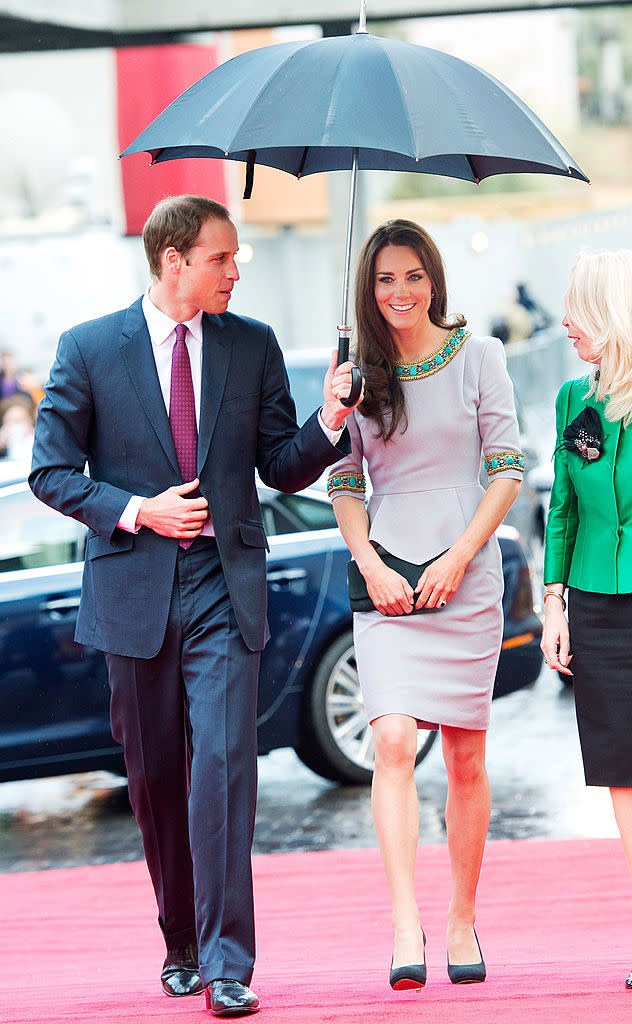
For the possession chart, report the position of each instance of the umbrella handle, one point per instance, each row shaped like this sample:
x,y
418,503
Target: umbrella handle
x,y
356,375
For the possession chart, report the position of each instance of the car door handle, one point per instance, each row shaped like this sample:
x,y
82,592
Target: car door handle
x,y
57,607
280,578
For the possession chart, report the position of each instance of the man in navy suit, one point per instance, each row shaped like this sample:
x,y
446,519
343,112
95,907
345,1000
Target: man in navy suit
x,y
174,584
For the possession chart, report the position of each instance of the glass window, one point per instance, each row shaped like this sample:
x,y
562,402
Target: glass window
x,y
33,536
306,385
310,513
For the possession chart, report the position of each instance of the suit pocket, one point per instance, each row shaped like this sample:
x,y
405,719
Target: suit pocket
x,y
242,403
98,546
253,535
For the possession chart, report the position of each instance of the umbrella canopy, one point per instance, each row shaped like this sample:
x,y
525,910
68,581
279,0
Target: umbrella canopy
x,y
354,102
305,107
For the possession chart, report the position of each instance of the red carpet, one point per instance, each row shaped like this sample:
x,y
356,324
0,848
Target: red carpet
x,y
555,924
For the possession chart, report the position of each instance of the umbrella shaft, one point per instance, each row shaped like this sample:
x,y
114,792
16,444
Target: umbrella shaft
x,y
353,188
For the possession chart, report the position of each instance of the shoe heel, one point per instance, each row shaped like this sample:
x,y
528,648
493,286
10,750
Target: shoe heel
x,y
411,976
468,974
207,998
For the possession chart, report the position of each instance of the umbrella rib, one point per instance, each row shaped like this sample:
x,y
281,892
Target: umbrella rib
x,y
404,96
265,85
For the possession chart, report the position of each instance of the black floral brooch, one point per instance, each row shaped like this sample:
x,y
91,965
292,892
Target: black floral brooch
x,y
584,436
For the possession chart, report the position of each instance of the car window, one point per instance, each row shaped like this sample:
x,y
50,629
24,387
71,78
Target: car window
x,y
314,514
306,385
33,536
295,513
275,521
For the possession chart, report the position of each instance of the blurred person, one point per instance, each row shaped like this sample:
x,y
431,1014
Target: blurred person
x,y
539,316
173,404
588,541
17,427
30,385
514,320
436,399
9,379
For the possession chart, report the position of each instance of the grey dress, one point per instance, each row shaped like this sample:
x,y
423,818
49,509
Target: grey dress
x,y
424,489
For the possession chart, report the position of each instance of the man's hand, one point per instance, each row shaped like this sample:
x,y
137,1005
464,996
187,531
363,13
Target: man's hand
x,y
337,385
172,515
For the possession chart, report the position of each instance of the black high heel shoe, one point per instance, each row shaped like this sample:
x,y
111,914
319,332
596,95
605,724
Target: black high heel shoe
x,y
467,974
411,976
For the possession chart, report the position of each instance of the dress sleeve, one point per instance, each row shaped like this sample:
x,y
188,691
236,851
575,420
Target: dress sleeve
x,y
497,421
347,476
563,517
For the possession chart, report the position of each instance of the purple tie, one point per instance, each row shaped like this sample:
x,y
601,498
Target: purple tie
x,y
182,412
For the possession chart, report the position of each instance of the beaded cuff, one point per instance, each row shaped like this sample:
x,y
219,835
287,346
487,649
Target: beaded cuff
x,y
504,460
338,482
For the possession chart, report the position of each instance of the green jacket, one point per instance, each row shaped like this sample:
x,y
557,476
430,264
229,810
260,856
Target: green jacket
x,y
589,528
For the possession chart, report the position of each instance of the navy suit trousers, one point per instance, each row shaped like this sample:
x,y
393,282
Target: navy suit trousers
x,y
187,722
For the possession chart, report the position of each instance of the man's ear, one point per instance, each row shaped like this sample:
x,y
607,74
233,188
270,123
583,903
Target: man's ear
x,y
171,260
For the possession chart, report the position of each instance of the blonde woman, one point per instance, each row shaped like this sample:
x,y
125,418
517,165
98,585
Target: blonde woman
x,y
588,546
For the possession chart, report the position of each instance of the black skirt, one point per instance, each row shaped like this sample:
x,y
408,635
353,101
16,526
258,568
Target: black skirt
x,y
601,645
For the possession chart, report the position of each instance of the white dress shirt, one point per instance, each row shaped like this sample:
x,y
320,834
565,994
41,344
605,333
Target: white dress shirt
x,y
162,334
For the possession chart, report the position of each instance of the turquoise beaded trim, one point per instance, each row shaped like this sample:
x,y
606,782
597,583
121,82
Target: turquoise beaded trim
x,y
435,362
504,460
355,482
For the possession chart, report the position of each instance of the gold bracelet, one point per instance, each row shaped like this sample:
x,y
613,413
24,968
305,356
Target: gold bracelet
x,y
551,593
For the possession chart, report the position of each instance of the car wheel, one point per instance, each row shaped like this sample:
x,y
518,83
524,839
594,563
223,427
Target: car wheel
x,y
336,739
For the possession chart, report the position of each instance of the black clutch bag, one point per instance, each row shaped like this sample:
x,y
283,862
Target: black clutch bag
x,y
358,594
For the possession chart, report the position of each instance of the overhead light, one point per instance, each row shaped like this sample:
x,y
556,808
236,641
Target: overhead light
x,y
479,241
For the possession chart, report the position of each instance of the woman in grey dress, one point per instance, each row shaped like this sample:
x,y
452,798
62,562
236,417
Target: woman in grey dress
x,y
437,400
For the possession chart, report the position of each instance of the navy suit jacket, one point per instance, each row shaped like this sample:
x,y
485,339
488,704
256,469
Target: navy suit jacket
x,y
103,408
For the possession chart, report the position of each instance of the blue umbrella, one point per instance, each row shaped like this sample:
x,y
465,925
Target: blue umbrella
x,y
350,102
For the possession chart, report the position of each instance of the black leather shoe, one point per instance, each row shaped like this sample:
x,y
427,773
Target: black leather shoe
x,y
411,976
628,980
226,997
467,974
180,972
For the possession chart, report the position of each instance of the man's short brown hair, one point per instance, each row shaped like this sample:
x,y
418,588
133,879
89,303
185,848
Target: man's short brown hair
x,y
176,221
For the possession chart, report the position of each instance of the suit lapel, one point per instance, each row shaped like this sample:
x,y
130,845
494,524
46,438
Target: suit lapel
x,y
216,351
141,366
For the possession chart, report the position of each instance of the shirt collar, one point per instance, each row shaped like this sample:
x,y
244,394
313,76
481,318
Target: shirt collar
x,y
161,326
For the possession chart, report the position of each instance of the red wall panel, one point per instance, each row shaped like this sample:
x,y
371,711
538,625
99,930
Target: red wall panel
x,y
148,79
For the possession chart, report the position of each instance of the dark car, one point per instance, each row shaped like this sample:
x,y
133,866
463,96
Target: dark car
x,y
54,693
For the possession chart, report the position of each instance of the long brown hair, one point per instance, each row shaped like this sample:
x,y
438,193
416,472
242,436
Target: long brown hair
x,y
375,350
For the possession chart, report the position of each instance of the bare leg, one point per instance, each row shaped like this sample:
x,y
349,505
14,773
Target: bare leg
x,y
395,808
467,813
622,803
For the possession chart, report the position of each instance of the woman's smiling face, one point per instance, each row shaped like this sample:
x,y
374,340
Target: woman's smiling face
x,y
403,289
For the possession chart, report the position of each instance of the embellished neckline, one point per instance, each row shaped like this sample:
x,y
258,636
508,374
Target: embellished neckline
x,y
428,365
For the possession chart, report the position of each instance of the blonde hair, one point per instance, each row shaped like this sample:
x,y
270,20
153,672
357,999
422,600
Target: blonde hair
x,y
599,302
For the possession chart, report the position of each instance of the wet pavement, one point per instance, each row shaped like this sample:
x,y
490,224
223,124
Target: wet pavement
x,y
533,760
